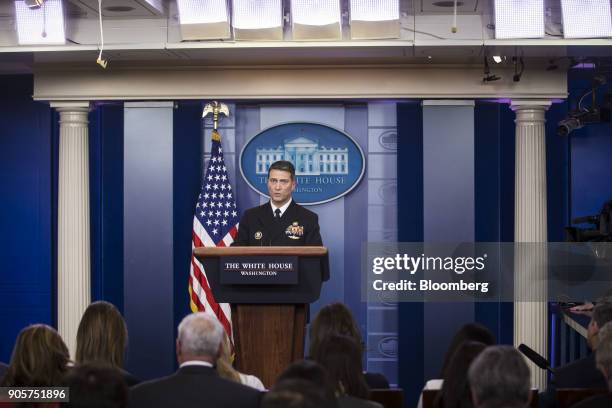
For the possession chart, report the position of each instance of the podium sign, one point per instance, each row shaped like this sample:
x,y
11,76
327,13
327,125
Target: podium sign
x,y
259,270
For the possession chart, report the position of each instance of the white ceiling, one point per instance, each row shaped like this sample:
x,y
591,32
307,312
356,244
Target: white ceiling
x,y
147,32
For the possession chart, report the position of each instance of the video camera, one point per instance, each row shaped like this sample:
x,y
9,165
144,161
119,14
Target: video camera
x,y
601,232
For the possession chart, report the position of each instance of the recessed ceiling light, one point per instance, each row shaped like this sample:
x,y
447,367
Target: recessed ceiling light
x,y
118,9
447,3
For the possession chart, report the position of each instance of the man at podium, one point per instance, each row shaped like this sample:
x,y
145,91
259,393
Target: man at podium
x,y
281,221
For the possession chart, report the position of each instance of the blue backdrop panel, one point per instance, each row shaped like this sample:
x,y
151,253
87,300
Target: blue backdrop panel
x,y
410,229
355,207
494,187
148,238
106,189
448,200
381,188
25,190
591,152
558,174
187,180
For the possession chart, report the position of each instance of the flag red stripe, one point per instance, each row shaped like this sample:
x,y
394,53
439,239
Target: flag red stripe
x,y
194,297
211,299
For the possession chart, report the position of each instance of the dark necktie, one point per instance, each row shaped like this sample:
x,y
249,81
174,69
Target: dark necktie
x,y
277,214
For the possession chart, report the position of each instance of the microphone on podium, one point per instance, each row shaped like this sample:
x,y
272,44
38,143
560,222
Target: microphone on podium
x,y
535,358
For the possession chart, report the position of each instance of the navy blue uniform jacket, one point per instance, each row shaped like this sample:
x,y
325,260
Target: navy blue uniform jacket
x,y
297,227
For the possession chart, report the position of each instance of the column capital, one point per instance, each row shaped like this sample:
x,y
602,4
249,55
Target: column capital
x,y
519,104
65,106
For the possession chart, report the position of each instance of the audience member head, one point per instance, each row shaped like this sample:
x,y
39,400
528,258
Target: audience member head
x,y
102,335
499,377
332,319
341,357
296,393
603,357
224,366
199,338
96,386
39,358
456,391
602,314
468,332
309,370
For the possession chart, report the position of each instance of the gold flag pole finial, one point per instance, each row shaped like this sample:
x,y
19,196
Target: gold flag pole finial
x,y
215,108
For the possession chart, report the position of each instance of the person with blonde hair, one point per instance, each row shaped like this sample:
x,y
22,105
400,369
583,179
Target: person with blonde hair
x,y
226,370
102,338
40,358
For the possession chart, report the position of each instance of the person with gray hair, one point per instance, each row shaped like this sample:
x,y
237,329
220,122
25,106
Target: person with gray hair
x,y
604,364
500,378
196,383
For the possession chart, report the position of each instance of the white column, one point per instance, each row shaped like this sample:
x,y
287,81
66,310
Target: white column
x,y
530,226
73,241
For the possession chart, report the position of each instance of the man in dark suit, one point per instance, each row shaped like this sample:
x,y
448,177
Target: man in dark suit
x,y
582,373
604,364
280,222
196,383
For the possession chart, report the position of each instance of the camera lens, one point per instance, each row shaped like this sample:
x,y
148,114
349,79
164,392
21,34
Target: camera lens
x,y
566,126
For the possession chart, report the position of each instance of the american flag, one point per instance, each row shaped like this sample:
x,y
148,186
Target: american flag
x,y
215,223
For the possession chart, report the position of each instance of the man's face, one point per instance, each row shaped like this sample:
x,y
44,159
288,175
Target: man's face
x,y
280,187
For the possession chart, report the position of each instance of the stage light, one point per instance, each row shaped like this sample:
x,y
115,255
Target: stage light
x,y
316,20
204,19
519,19
372,19
586,18
497,59
257,19
42,25
487,76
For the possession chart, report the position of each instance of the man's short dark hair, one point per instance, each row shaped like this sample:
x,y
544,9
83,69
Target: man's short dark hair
x,y
602,313
283,165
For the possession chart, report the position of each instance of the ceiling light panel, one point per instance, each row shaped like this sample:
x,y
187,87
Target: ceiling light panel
x,y
374,10
257,19
44,25
316,20
586,18
203,19
372,19
519,19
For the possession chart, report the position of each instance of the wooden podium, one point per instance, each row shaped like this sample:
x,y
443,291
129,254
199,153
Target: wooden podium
x,y
268,318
